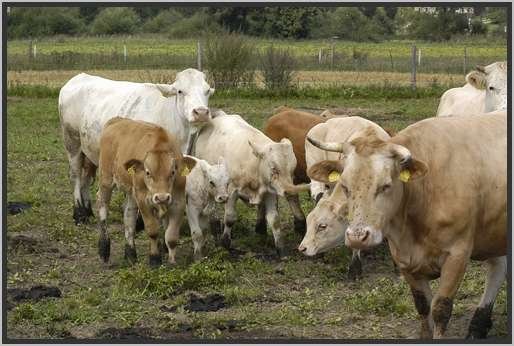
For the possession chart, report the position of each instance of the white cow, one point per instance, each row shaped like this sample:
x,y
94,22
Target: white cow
x,y
485,91
333,130
260,169
205,185
87,102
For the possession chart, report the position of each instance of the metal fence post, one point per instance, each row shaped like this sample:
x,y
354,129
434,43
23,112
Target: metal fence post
x,y
413,66
332,62
125,53
199,56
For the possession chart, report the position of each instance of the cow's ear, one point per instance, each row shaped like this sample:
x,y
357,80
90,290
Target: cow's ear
x,y
412,169
255,150
188,163
166,90
210,92
327,171
477,79
286,141
134,164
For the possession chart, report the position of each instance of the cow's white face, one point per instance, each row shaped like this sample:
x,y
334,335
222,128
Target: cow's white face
x,y
492,78
218,179
277,165
371,178
192,94
326,225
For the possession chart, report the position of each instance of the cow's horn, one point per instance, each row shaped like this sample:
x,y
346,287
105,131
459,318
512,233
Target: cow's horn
x,y
328,146
480,68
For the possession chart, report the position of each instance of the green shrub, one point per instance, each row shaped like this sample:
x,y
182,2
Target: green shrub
x,y
115,20
197,25
163,21
277,66
228,60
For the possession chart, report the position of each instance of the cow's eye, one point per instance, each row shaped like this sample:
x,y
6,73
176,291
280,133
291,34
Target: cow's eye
x,y
180,92
211,183
383,188
147,173
345,190
491,88
322,227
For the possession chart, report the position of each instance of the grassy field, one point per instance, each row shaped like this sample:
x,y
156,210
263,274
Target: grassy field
x,y
302,78
159,51
265,298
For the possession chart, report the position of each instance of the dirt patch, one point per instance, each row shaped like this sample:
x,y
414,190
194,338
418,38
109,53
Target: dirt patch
x,y
125,333
34,293
211,302
14,208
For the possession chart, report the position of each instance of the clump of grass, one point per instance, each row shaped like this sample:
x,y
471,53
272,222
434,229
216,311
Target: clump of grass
x,y
33,91
278,68
384,297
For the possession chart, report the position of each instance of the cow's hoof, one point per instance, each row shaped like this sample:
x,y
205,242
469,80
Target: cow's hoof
x,y
81,215
480,323
355,270
104,248
130,254
282,253
155,261
261,228
140,224
225,241
300,225
216,227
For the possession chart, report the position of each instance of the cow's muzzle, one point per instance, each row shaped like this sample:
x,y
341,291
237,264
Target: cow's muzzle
x,y
200,114
161,198
359,237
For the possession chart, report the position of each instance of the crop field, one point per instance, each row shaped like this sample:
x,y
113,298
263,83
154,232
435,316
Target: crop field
x,y
159,51
257,296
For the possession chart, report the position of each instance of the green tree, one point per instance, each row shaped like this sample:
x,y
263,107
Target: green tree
x,y
163,22
43,21
115,20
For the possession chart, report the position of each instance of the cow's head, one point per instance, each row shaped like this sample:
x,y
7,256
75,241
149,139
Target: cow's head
x,y
492,78
192,94
216,177
372,175
325,224
276,166
158,171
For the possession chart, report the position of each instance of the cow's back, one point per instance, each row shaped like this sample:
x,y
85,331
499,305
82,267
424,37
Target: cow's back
x,y
293,125
466,183
465,100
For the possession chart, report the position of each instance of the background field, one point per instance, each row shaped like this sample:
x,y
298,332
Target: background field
x,y
296,298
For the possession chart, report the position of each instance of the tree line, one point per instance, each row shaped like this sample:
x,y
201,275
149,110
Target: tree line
x,y
366,23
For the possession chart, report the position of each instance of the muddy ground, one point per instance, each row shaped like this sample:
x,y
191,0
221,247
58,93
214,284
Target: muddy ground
x,y
245,294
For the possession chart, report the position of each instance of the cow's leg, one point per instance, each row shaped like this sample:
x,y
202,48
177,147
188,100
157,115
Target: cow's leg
x,y
422,294
103,200
273,220
260,222
171,236
452,272
481,321
355,266
300,225
129,221
195,225
229,219
152,226
88,176
80,212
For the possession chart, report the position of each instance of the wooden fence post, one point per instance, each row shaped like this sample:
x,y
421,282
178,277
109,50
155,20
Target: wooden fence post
x,y
391,58
465,60
413,68
333,51
320,54
199,56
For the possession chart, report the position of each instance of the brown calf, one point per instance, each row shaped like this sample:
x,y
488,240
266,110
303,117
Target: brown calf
x,y
143,160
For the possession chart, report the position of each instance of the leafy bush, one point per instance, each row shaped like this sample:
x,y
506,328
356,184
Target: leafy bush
x,y
43,21
115,20
228,60
163,21
277,66
198,24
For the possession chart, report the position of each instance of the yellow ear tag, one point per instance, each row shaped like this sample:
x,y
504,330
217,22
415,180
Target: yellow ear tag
x,y
333,176
185,171
131,171
405,175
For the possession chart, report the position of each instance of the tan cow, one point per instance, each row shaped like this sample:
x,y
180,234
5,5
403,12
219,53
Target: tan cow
x,y
145,162
438,192
333,130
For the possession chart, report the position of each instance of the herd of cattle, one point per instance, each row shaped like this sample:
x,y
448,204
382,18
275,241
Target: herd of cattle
x,y
437,190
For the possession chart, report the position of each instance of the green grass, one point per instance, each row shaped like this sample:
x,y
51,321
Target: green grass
x,y
297,298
